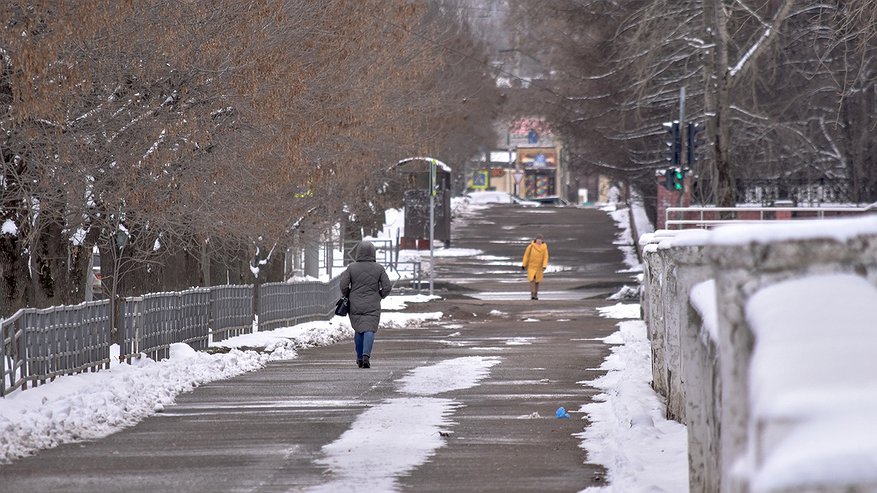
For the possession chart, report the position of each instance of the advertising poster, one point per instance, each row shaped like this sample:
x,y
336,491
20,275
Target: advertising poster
x,y
537,157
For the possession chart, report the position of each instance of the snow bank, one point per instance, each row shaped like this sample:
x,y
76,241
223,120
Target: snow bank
x,y
641,450
88,406
813,384
93,405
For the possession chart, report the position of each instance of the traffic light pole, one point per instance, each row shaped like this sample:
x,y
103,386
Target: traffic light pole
x,y
682,128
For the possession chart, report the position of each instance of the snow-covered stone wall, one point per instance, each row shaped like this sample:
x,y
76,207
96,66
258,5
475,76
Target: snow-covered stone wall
x,y
696,287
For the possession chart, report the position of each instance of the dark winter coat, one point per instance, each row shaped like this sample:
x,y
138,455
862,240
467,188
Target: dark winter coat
x,y
365,283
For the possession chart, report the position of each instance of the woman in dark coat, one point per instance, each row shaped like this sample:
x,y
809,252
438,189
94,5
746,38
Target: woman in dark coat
x,y
365,283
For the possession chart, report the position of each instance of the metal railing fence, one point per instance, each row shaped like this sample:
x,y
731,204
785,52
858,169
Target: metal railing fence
x,y
231,311
37,345
708,217
153,322
40,344
407,274
312,300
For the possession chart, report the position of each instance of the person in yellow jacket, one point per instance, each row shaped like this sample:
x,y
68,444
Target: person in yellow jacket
x,y
535,262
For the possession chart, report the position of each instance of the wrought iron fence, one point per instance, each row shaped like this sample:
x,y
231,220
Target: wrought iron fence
x,y
799,192
37,345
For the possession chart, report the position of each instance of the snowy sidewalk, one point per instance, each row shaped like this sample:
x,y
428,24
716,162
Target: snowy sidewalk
x,y
464,403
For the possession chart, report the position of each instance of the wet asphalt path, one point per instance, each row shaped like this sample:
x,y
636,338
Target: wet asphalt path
x,y
263,431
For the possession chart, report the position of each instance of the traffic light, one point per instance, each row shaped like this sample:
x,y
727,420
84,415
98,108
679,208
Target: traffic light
x,y
673,142
674,179
694,142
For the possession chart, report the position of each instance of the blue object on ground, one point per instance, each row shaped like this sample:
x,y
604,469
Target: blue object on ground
x,y
561,413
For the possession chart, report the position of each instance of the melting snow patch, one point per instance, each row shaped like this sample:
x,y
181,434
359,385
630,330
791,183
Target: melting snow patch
x,y
384,442
455,343
401,320
400,302
452,374
398,435
520,341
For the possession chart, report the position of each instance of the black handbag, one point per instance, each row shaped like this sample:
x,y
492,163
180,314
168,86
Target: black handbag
x,y
342,307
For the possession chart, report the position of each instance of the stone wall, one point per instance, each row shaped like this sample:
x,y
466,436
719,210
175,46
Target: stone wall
x,y
701,366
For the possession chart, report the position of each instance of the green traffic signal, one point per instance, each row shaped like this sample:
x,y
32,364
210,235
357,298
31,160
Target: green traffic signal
x,y
676,179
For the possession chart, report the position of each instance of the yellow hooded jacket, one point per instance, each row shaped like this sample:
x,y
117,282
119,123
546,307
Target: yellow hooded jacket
x,y
535,261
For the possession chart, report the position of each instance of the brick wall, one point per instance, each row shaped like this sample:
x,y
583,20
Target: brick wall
x,y
668,198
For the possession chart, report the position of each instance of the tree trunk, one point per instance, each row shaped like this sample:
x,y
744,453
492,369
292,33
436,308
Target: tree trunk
x,y
14,275
205,263
725,189
58,267
707,168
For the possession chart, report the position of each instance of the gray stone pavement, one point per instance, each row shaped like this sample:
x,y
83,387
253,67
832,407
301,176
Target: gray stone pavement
x,y
263,431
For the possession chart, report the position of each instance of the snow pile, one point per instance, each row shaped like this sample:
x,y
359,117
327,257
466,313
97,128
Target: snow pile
x,y
620,310
703,299
9,228
629,435
482,198
283,343
626,293
93,405
813,425
625,237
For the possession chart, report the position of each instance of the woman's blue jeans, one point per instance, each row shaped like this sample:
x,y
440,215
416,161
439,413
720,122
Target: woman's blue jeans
x,y
364,342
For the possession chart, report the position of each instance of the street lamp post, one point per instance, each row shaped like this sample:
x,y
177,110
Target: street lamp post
x,y
431,220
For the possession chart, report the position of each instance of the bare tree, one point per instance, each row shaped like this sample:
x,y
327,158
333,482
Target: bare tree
x,y
785,89
180,136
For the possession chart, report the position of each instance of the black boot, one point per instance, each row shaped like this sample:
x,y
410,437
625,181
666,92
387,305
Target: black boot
x,y
365,362
359,363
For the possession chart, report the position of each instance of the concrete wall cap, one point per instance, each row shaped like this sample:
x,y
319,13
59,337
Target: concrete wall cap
x,y
769,232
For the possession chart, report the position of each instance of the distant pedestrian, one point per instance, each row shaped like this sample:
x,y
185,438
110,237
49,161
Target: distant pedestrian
x,y
365,283
535,262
